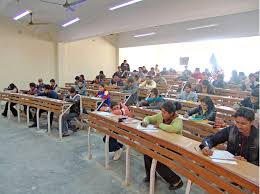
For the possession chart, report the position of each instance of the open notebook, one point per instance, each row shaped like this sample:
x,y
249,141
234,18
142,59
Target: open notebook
x,y
150,128
222,156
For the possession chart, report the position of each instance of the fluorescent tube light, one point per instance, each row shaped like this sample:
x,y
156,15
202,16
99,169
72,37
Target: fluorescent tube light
x,y
70,22
201,27
124,4
22,15
143,35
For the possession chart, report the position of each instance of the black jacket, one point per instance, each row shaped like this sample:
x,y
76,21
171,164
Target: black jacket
x,y
209,114
75,108
237,144
247,103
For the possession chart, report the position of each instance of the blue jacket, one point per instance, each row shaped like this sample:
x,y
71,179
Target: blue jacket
x,y
52,94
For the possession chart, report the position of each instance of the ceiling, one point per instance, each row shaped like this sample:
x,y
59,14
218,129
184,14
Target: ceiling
x,y
97,20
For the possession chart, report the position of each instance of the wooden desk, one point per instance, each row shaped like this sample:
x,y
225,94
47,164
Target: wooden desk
x,y
89,103
232,93
68,85
178,153
143,92
40,103
221,100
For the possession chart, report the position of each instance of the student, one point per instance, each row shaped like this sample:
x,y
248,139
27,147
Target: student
x,y
145,71
168,121
157,70
81,88
125,66
188,94
140,73
119,72
49,93
116,81
186,74
242,138
104,94
251,83
148,83
151,73
205,87
82,78
137,80
54,86
97,80
154,101
33,91
160,80
234,78
207,73
131,88
197,74
102,76
251,101
74,98
206,110
76,80
41,85
10,89
164,71
219,82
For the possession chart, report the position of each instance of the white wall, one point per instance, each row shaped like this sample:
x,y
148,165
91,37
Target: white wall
x,y
86,57
24,57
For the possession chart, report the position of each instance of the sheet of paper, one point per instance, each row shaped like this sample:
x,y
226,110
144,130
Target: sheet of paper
x,y
149,127
222,154
104,113
224,161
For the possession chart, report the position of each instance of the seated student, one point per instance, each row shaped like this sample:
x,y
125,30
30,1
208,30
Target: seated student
x,y
251,83
207,73
234,78
140,72
119,72
101,76
74,98
145,71
10,89
172,71
242,138
76,80
137,80
81,88
97,80
131,88
157,70
164,71
160,80
250,102
219,82
168,121
188,94
148,83
40,86
154,101
186,74
104,94
49,93
206,110
205,87
82,78
116,81
32,91
54,86
151,72
197,74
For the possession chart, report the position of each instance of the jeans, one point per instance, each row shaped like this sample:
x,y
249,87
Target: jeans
x,y
66,119
165,172
114,145
13,110
40,112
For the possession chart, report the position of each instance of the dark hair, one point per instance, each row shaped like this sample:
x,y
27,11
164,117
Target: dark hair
x,y
205,82
255,93
101,72
137,77
251,75
187,85
72,90
102,85
82,76
130,80
152,68
207,100
155,91
171,107
12,86
77,78
246,113
97,77
52,80
47,87
32,85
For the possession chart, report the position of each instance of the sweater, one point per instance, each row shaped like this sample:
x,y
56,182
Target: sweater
x,y
176,125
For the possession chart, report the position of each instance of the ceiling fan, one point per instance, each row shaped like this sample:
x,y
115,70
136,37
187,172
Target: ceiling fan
x,y
31,23
66,5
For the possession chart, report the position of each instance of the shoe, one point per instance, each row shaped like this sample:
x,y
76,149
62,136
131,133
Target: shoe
x,y
117,154
146,179
176,186
4,115
33,125
65,134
